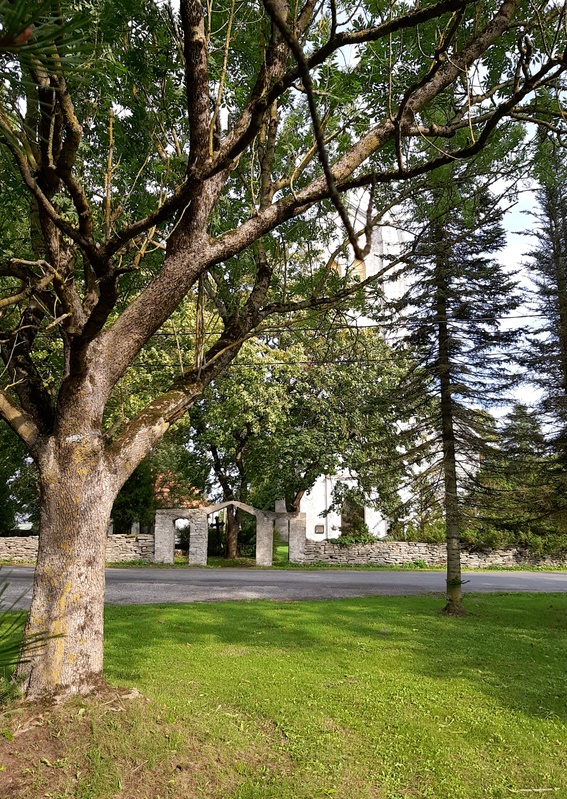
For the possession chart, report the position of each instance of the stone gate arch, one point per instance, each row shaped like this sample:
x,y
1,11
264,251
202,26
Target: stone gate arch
x,y
199,532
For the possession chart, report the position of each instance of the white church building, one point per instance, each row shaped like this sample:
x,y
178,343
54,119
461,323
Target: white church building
x,y
322,523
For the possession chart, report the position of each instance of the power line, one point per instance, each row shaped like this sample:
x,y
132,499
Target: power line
x,y
359,328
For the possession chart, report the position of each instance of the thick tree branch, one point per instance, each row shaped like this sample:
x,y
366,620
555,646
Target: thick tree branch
x,y
21,422
66,160
139,436
275,80
196,81
34,398
187,257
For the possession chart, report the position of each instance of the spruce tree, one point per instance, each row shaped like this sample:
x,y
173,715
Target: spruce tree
x,y
547,354
514,497
451,315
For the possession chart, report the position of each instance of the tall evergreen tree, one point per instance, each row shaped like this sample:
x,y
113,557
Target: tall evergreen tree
x,y
514,498
457,296
547,354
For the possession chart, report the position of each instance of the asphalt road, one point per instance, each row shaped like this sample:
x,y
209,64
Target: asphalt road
x,y
149,586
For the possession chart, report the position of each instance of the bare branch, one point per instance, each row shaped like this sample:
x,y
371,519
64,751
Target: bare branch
x,y
274,12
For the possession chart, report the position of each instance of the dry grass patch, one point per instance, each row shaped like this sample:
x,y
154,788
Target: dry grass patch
x,y
114,746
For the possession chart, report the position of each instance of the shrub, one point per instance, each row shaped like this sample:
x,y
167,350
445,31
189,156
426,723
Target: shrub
x,y
432,532
358,533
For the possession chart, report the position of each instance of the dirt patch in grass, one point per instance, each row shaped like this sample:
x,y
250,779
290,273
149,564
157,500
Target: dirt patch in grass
x,y
112,746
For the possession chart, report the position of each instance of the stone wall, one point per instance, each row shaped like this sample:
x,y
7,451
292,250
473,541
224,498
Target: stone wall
x,y
398,553
23,549
19,549
129,547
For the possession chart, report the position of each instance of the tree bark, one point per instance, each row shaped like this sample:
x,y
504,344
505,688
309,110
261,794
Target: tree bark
x,y
232,530
77,492
454,605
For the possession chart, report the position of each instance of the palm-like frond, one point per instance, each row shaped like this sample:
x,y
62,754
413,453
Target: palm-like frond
x,y
14,648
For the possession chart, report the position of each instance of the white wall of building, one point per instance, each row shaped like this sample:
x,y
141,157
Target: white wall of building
x,y
319,526
387,244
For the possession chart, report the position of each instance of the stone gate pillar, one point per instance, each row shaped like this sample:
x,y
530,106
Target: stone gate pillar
x,y
198,537
297,536
164,537
264,540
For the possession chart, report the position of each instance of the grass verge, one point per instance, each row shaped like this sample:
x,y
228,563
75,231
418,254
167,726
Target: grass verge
x,y
249,563
377,698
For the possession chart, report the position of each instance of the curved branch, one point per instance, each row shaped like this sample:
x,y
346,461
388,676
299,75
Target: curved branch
x,y
275,80
21,423
274,12
67,157
175,202
29,180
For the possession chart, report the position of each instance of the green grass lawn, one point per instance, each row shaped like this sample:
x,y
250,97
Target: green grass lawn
x,y
380,697
355,699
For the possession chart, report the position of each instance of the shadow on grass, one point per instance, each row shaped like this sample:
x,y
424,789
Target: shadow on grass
x,y
511,648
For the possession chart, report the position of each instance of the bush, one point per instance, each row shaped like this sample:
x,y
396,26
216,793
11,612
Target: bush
x,y
478,537
486,537
554,544
432,532
358,533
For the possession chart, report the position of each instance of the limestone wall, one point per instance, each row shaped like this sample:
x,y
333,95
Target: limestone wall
x,y
23,549
20,549
398,553
129,547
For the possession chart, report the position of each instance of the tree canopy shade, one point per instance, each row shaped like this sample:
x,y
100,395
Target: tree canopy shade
x,y
204,151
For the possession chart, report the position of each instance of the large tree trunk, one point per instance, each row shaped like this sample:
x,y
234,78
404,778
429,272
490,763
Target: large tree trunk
x,y
454,604
77,492
232,530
